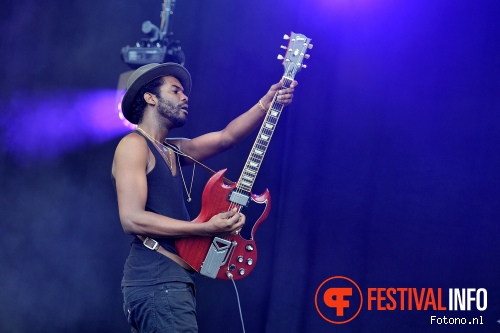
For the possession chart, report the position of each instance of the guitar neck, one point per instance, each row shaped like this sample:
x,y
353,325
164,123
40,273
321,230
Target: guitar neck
x,y
259,149
295,54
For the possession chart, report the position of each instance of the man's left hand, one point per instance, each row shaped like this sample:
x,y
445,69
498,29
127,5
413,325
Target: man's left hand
x,y
284,95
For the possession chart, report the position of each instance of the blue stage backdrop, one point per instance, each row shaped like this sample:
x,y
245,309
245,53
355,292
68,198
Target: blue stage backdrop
x,y
384,172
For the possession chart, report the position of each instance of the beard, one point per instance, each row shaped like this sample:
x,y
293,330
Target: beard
x,y
171,112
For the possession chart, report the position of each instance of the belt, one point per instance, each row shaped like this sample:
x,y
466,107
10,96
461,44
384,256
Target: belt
x,y
155,246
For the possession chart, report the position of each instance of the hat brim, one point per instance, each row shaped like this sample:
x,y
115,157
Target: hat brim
x,y
156,71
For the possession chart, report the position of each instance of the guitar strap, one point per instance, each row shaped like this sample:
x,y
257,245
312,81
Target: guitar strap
x,y
155,246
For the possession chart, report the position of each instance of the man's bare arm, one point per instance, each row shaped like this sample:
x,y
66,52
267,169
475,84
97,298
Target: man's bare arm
x,y
210,144
129,170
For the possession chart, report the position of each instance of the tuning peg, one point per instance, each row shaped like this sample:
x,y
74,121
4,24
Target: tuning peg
x,y
310,46
280,57
304,66
286,37
307,56
283,47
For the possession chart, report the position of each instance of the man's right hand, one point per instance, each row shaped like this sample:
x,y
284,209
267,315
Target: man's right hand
x,y
225,223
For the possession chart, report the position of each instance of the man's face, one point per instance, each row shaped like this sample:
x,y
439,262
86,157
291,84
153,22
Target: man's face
x,y
172,103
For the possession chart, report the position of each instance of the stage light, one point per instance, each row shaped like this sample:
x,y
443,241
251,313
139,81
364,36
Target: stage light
x,y
159,46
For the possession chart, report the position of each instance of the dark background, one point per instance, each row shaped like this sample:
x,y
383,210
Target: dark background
x,y
385,169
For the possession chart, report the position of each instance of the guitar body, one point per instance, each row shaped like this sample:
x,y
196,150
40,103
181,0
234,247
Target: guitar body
x,y
216,256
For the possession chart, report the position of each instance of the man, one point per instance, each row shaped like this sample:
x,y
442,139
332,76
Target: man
x,y
158,286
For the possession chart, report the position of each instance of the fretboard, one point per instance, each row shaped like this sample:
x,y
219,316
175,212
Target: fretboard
x,y
259,149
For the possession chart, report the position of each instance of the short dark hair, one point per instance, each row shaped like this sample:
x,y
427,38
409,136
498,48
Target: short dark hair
x,y
139,104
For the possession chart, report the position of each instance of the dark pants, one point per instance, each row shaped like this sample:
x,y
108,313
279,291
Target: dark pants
x,y
168,307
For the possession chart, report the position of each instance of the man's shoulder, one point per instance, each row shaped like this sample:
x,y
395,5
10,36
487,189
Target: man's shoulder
x,y
132,142
132,138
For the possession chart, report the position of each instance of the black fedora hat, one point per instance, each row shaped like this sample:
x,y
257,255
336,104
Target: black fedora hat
x,y
148,73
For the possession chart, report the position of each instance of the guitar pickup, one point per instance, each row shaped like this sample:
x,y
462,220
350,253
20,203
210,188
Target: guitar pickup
x,y
239,197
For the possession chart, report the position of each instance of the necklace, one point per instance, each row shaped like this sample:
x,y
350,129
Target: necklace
x,y
184,182
169,157
163,150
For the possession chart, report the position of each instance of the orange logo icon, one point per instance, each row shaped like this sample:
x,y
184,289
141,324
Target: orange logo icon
x,y
335,301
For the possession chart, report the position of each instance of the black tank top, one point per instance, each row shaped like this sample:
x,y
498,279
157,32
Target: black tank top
x,y
165,193
165,197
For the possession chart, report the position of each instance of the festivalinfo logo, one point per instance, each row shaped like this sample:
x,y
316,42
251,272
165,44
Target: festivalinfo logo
x,y
339,300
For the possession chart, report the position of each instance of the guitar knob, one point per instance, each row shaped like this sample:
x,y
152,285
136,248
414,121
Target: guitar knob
x,y
240,258
241,271
249,247
232,267
249,262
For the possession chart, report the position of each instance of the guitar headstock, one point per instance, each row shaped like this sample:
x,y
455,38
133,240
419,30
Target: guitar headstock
x,y
296,52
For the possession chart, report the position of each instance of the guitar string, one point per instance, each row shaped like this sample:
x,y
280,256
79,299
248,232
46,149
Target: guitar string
x,y
277,106
251,158
286,84
270,119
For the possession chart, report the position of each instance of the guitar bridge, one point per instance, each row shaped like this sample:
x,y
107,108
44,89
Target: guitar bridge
x,y
216,257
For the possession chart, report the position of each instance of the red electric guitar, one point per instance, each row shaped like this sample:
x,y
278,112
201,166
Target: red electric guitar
x,y
235,256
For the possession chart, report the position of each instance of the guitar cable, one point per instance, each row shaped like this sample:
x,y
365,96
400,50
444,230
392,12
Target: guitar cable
x,y
230,276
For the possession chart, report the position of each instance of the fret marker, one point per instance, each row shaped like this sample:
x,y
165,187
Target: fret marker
x,y
269,126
